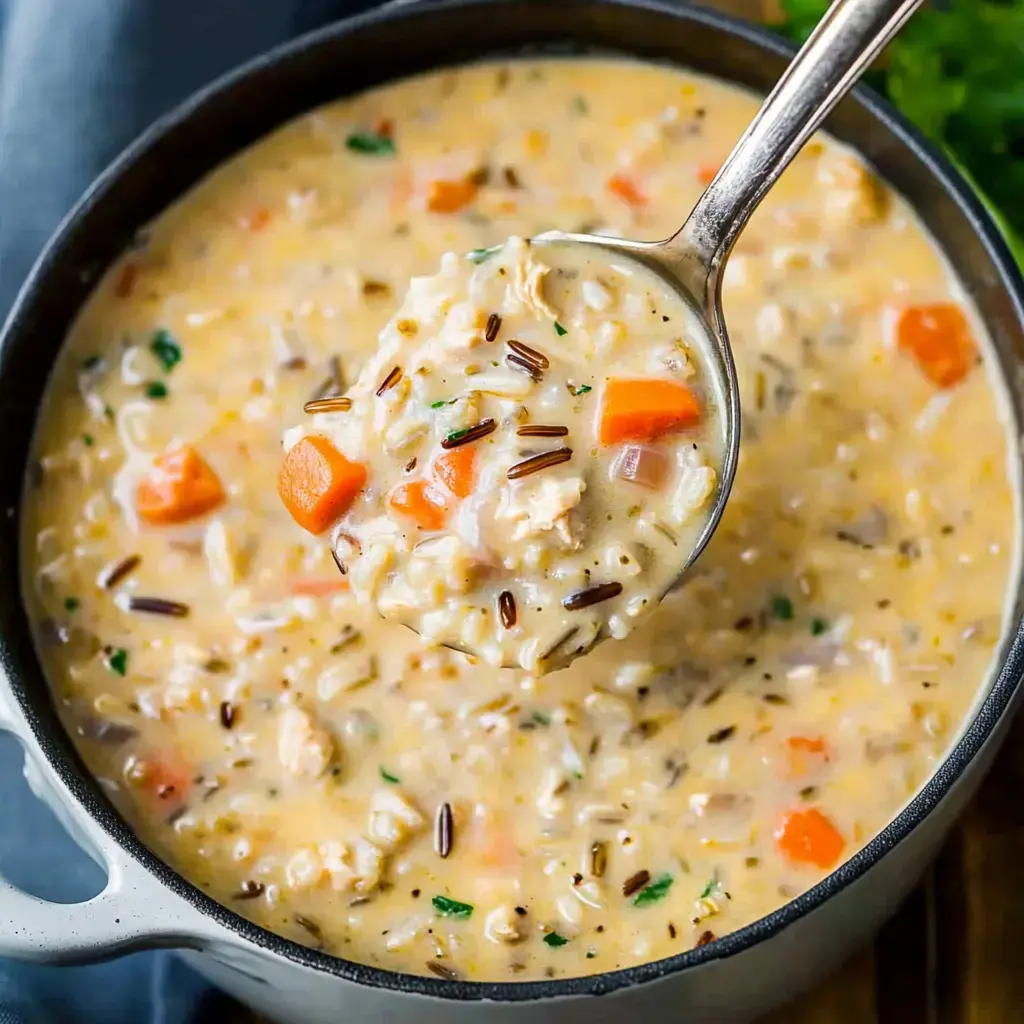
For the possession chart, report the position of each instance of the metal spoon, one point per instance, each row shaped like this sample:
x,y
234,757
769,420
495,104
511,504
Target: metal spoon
x,y
692,261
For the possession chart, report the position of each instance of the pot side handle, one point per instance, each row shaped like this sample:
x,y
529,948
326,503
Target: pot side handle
x,y
134,911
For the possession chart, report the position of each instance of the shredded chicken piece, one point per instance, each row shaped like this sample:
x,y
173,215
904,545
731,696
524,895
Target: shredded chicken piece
x,y
303,746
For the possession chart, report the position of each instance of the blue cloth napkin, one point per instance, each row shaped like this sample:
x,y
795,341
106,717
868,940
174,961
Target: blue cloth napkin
x,y
79,79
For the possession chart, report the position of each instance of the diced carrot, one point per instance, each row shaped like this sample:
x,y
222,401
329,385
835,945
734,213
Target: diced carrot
x,y
125,278
421,502
317,483
939,338
450,196
455,469
644,409
706,173
385,127
163,778
809,837
313,587
626,189
804,751
495,845
257,220
181,486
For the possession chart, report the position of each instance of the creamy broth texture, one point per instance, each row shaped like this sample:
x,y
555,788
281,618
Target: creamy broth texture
x,y
314,767
527,460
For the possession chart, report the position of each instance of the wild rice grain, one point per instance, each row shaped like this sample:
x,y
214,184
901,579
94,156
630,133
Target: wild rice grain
x,y
536,463
113,574
507,608
635,882
444,828
457,438
493,326
228,713
337,403
249,890
438,968
158,606
541,430
531,355
598,859
589,596
390,380
531,370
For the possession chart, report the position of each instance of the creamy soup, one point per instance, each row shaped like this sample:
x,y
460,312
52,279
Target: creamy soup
x,y
319,771
509,503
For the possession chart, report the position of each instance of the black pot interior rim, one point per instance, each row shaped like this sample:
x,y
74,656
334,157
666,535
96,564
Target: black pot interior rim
x,y
64,761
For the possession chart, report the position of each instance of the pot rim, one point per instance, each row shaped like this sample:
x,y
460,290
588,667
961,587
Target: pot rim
x,y
63,758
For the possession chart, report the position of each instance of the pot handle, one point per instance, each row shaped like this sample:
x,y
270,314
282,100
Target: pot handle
x,y
134,910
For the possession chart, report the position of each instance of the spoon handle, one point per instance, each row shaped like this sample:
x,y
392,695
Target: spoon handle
x,y
850,35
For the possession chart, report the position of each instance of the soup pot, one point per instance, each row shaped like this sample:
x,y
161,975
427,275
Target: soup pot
x,y
145,903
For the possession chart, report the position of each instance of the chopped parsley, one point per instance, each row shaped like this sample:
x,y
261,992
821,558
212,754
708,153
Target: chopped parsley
x,y
554,940
540,718
156,389
457,435
91,362
479,255
88,440
370,144
388,777
560,330
782,608
166,349
452,908
71,604
653,891
117,661
580,105
582,389
438,405
591,954
818,626
709,888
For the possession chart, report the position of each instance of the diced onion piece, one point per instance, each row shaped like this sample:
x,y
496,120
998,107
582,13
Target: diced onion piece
x,y
641,465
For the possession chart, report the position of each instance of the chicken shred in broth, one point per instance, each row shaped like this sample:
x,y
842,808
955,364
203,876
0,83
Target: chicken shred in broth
x,y
319,771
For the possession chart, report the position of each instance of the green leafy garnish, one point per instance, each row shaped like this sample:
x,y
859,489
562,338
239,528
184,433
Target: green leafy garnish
x,y
438,405
591,954
560,330
71,604
452,908
580,105
88,440
709,888
782,608
156,389
653,891
388,777
91,362
166,349
370,143
479,255
957,71
581,390
554,940
117,661
540,718
818,626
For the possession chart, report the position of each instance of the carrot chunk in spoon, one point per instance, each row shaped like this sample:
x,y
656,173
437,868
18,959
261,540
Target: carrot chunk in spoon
x,y
626,189
645,409
422,503
455,469
939,339
450,196
180,486
317,483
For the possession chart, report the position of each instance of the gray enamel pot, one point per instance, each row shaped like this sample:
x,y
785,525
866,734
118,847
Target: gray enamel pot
x,y
145,903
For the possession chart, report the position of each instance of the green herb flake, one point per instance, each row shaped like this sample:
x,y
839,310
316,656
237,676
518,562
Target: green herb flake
x,y
108,412
71,604
479,255
540,718
370,144
654,891
456,435
591,954
580,106
782,608
166,349
388,777
156,389
88,440
709,888
442,403
583,389
91,362
560,330
554,940
117,661
818,626
452,908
